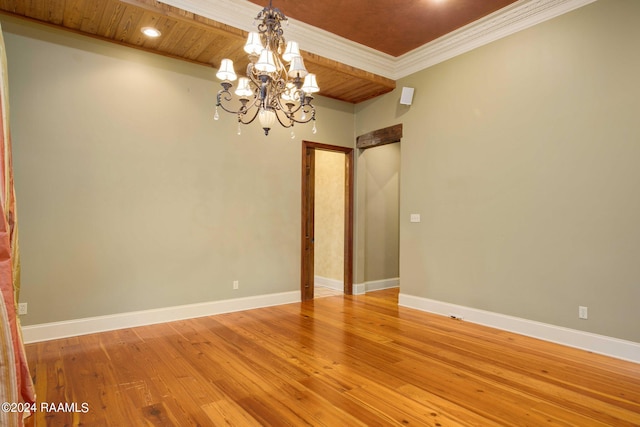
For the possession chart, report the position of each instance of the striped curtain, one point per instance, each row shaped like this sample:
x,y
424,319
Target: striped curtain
x,y
16,385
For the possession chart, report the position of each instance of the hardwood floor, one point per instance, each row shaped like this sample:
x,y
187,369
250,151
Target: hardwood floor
x,y
321,292
335,361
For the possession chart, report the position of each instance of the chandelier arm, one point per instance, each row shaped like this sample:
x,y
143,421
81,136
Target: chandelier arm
x,y
241,115
247,107
224,95
228,110
292,111
288,125
308,110
312,116
276,102
304,100
227,98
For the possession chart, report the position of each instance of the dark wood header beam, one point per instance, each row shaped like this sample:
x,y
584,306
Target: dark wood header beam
x,y
380,137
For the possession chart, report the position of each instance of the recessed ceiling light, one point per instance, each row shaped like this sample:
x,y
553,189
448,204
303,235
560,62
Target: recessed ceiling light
x,y
151,32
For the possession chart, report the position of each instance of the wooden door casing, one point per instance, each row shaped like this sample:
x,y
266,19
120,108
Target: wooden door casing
x,y
308,212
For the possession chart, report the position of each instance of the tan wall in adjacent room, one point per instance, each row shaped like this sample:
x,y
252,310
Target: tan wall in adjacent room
x,y
329,215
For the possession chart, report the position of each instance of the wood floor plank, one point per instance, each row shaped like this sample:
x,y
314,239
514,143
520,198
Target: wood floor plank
x,y
228,413
338,360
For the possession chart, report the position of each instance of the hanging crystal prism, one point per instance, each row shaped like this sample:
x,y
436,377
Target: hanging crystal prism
x,y
216,116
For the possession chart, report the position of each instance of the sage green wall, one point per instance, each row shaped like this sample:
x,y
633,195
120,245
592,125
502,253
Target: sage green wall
x,y
522,158
382,205
130,196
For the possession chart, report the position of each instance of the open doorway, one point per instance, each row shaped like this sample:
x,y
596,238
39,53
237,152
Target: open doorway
x,y
308,275
379,169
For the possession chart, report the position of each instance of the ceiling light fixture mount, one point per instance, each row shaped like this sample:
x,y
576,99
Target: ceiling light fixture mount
x,y
269,91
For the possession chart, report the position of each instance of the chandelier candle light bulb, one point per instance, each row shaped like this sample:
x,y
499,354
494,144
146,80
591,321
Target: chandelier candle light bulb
x,y
269,91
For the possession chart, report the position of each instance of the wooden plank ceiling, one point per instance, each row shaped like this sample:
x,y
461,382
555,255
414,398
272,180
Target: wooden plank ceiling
x,y
185,36
391,27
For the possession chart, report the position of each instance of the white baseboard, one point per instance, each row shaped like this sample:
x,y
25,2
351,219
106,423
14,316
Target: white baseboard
x,y
325,282
90,325
358,288
614,347
375,285
378,285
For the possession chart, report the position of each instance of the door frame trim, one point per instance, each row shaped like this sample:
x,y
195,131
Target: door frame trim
x,y
307,292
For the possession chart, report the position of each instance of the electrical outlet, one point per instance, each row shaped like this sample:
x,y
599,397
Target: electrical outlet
x,y
22,308
236,284
583,312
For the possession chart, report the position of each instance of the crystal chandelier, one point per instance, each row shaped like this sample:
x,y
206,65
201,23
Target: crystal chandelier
x,y
269,91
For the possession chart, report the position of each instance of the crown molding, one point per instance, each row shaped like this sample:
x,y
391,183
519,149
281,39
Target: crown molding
x,y
518,16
